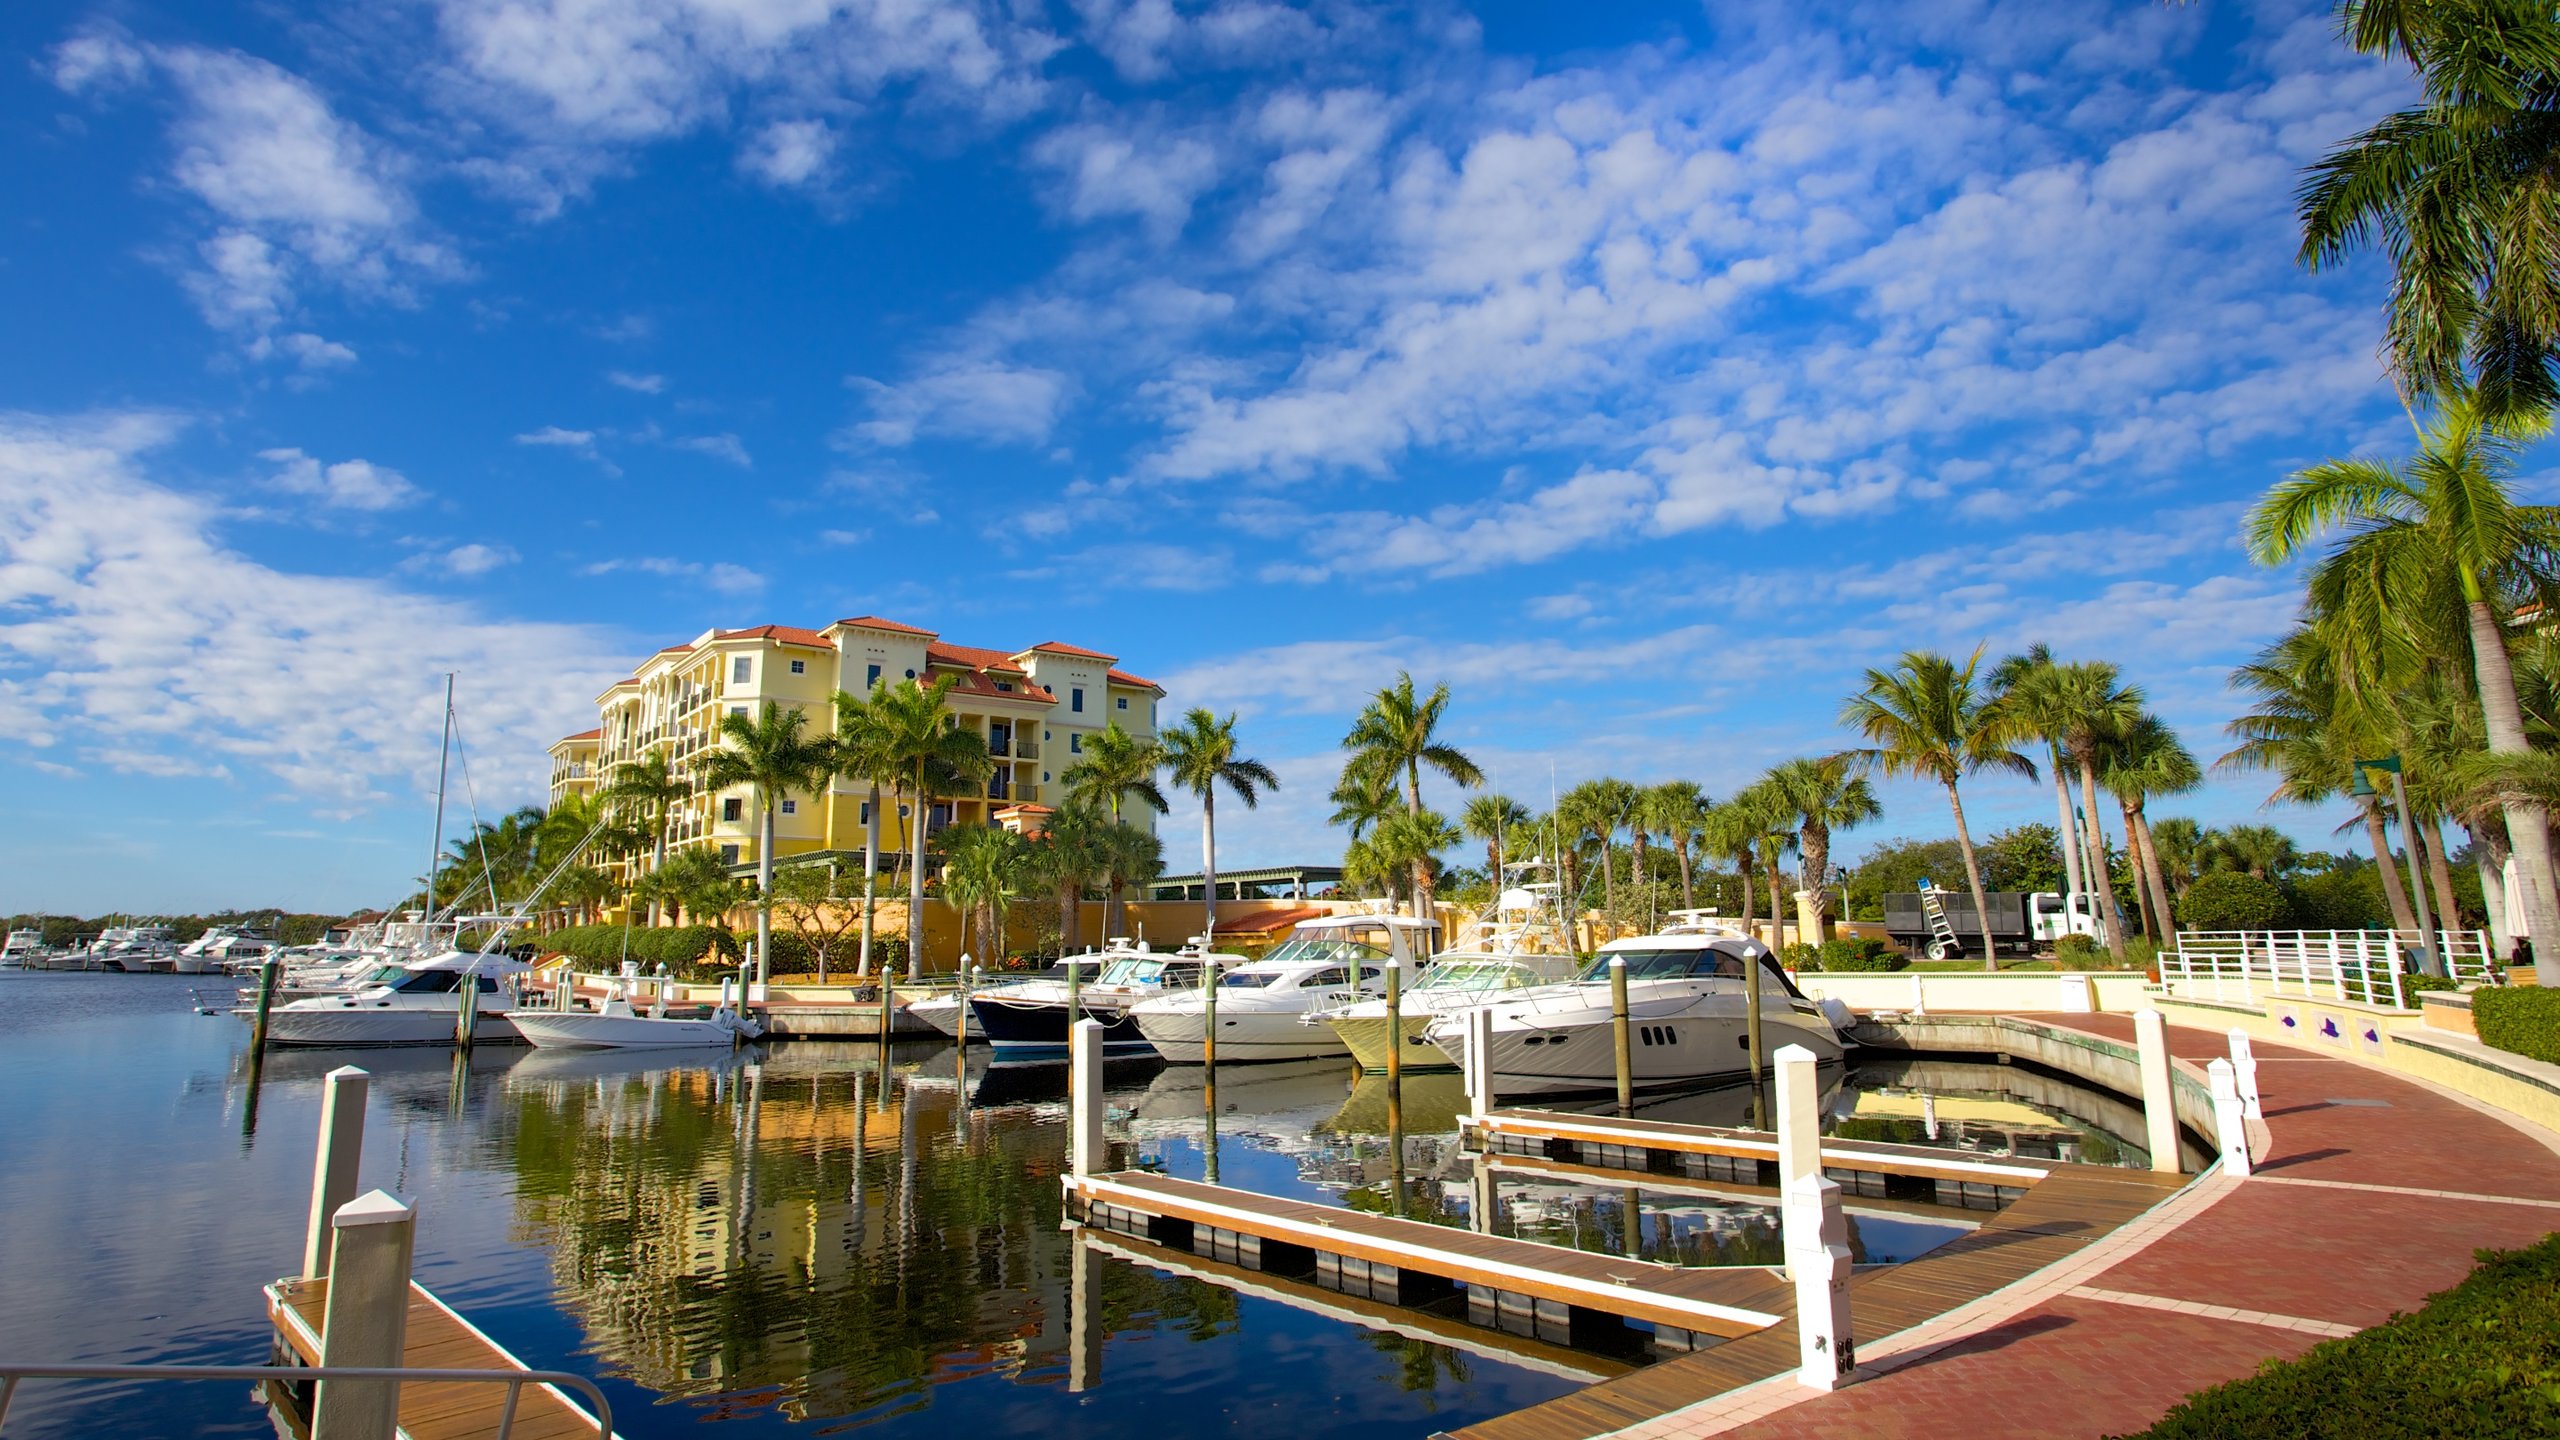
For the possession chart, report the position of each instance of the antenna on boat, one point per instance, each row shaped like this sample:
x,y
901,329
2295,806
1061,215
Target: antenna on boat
x,y
444,754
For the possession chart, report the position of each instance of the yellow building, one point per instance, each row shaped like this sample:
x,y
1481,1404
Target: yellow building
x,y
1036,708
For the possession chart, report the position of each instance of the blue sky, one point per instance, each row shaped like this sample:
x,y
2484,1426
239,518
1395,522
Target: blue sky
x,y
1644,374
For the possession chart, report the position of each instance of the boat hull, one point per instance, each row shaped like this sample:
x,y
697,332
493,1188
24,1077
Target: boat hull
x,y
1042,1025
351,1027
942,1012
1365,1036
1581,1057
587,1030
1243,1038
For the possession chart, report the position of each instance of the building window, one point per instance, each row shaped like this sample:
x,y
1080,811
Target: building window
x,y
866,814
742,670
738,710
790,807
728,854
1075,743
1075,699
801,667
1005,685
902,812
871,679
1044,777
731,808
1122,702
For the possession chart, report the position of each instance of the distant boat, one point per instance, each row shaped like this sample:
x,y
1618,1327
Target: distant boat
x,y
1033,1017
416,1008
1325,964
616,1024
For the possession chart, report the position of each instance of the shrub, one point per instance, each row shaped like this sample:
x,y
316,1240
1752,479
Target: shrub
x,y
2340,900
1855,953
2524,1020
690,952
2482,1358
2075,947
2232,900
1800,956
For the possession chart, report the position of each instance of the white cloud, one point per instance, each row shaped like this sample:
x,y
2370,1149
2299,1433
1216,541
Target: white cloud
x,y
1111,172
98,59
130,635
719,576
563,438
979,400
843,537
344,485
477,559
718,447
642,384
789,153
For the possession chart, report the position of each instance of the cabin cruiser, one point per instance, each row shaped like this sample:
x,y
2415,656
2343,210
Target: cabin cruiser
x,y
221,948
943,1011
22,946
617,1023
1326,963
1518,944
1687,1017
1035,1015
134,949
412,1003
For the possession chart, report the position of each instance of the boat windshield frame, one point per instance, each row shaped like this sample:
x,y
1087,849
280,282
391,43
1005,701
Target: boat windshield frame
x,y
1325,949
1469,975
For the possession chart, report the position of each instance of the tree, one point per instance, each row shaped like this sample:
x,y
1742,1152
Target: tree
x,y
983,867
648,792
1597,808
1491,818
1677,809
694,884
2435,548
2459,192
1116,766
1925,718
1200,754
1065,860
1398,734
2144,759
769,755
1820,795
2026,859
865,755
933,756
2179,844
2084,704
2259,850
2022,683
1750,830
1411,843
815,901
1130,855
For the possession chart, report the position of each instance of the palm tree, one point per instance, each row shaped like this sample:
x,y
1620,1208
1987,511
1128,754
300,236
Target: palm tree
x,y
1676,809
1747,829
2458,191
1925,718
1362,801
693,883
1411,842
1116,765
1398,734
2178,844
1491,818
1821,795
2435,547
2087,705
2020,683
648,792
1201,755
770,755
2147,758
982,868
1597,808
1065,861
1130,855
933,755
2259,850
863,756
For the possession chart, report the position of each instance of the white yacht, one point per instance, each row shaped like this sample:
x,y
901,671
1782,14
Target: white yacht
x,y
221,948
406,1004
22,946
1687,1014
1519,943
1326,963
134,949
620,1024
943,1011
1034,1016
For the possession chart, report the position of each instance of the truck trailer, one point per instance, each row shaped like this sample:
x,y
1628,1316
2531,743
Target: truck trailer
x,y
2022,922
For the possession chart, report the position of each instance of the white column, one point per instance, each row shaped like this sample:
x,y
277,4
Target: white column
x,y
1919,997
1084,1093
373,1238
2244,1065
1799,1115
2230,1120
2159,1102
1814,1231
1480,1062
333,1169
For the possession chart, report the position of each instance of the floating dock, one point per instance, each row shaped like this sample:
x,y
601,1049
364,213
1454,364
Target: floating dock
x,y
438,1338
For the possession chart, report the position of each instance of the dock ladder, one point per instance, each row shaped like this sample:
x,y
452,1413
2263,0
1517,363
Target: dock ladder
x,y
1943,944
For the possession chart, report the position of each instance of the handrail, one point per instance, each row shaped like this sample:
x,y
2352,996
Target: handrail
x,y
514,1380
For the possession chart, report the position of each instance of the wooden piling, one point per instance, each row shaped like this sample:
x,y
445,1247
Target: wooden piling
x,y
1618,1034
466,1009
267,970
373,1240
333,1168
1084,1095
1395,1024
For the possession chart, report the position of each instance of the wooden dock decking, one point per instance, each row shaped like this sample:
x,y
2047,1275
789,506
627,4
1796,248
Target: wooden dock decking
x,y
1869,1156
438,1338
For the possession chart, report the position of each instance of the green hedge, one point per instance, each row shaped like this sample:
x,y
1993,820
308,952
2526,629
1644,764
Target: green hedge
x,y
2233,900
2482,1358
2076,946
1849,954
690,952
1800,956
2524,1020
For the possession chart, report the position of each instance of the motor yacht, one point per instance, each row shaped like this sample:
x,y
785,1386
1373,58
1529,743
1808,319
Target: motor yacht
x,y
1035,1015
618,1022
406,1004
134,949
222,948
1519,943
943,1011
1687,1017
1325,964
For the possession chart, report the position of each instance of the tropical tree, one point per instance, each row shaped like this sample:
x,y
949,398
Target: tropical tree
x,y
1597,808
2084,705
1131,855
1491,818
1749,830
1398,734
2260,850
693,884
2144,759
2437,552
1820,796
864,755
2022,684
1200,754
1676,810
2178,842
933,756
647,791
1065,861
983,867
1927,718
770,756
1362,801
816,902
2458,191
1410,843
1116,766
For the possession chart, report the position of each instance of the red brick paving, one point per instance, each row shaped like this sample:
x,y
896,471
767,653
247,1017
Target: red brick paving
x,y
2077,1366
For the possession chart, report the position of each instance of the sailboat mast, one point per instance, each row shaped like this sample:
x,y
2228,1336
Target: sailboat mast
x,y
444,756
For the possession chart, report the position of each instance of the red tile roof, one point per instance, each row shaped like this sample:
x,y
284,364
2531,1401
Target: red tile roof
x,y
581,735
939,653
1123,677
1060,647
974,683
874,622
786,634
1026,808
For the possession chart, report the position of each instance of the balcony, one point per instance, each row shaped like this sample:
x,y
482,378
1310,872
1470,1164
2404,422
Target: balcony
x,y
1026,746
1001,786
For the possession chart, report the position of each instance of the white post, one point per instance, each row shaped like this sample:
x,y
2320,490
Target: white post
x,y
2159,1102
2230,1118
1084,1093
373,1238
333,1169
1480,1063
1813,1229
2244,1066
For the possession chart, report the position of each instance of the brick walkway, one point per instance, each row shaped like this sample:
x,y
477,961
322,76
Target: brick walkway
x,y
2328,1236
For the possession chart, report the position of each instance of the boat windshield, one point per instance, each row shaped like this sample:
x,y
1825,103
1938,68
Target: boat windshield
x,y
1471,975
389,975
1136,970
1664,965
1250,979
1325,949
1085,970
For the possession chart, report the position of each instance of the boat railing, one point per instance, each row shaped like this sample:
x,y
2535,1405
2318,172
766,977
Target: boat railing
x,y
514,1380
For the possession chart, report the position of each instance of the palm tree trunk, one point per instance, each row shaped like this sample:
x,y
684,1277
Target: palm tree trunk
x,y
2066,833
1814,846
1068,920
2489,854
1422,896
1742,872
1608,885
1209,868
1777,907
2141,883
764,898
658,907
2403,919
1640,874
870,880
2528,825
2155,875
2431,835
1688,888
2098,871
1973,878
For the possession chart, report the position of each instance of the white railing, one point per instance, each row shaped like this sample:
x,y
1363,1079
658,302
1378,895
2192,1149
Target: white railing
x,y
2364,967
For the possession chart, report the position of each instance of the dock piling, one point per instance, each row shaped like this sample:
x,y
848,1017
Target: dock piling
x,y
373,1239
2244,1066
466,996
1799,1115
1085,1330
2159,1105
1395,1023
1209,1022
1812,1228
333,1168
266,1001
1084,1095
1479,1071
2230,1118
1618,1033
